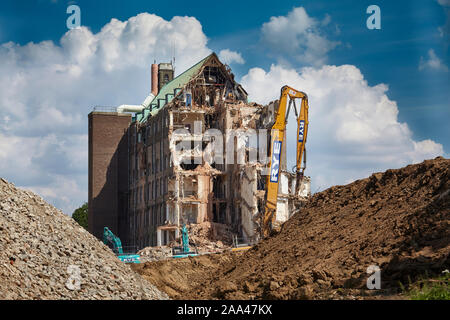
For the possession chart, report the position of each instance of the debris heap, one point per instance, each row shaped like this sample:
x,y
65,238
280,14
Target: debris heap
x,y
155,253
44,254
206,237
397,220
210,236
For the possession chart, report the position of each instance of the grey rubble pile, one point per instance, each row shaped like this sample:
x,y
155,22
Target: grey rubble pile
x,y
149,254
45,254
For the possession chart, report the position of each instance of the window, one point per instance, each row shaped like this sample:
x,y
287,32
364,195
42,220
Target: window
x,y
153,216
188,99
151,191
136,194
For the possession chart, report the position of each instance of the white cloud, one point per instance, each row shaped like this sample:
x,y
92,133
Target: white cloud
x,y
433,62
354,128
227,56
47,90
299,36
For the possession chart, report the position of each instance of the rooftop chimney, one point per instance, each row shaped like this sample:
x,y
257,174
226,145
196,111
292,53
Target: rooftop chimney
x,y
154,79
165,74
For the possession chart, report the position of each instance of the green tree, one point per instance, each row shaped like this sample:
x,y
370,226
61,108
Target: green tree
x,y
80,215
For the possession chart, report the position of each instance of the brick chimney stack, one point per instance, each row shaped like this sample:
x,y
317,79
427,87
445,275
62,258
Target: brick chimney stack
x,y
154,79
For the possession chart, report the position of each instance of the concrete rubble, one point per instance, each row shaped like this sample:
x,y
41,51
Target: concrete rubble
x,y
45,254
155,253
204,238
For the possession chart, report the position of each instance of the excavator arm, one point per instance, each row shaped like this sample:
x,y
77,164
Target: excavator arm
x,y
110,238
277,139
302,132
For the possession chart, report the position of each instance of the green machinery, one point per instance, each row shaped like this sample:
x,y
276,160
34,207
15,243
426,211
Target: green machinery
x,y
184,251
110,238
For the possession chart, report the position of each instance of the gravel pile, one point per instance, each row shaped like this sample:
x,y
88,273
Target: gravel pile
x,y
45,254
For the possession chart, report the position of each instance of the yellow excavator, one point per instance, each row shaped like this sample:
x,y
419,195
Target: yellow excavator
x,y
277,139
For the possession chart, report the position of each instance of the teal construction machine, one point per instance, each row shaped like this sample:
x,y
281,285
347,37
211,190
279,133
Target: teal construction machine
x,y
110,238
184,251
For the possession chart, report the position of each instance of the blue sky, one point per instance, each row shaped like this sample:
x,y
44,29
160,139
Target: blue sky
x,y
409,55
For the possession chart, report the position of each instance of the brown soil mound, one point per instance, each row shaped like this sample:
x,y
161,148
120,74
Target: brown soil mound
x,y
177,277
397,220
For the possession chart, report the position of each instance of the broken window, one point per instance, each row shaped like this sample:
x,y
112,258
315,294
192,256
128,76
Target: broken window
x,y
222,212
188,99
219,188
261,183
215,214
189,166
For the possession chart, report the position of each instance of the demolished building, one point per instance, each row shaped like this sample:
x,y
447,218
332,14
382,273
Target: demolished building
x,y
194,152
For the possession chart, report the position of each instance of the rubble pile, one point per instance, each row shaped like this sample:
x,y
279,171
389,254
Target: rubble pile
x,y
210,236
155,253
45,254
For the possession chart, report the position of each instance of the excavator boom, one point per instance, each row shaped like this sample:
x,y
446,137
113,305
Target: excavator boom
x,y
302,132
277,140
110,238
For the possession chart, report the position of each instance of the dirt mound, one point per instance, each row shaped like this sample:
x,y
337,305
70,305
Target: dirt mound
x,y
177,277
397,220
45,254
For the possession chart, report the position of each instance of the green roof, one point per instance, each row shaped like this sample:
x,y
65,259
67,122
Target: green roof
x,y
169,89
